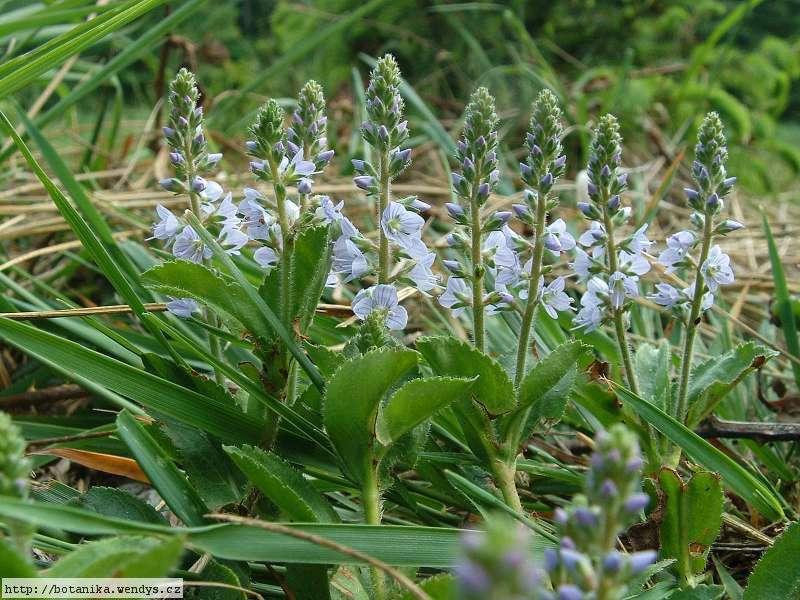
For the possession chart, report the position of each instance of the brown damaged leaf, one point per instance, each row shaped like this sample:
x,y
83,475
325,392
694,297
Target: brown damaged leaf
x,y
105,463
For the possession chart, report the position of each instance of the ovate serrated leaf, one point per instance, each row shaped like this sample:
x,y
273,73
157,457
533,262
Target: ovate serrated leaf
x,y
692,518
310,266
777,574
283,485
415,402
652,365
114,502
351,403
126,556
185,279
711,380
545,376
449,356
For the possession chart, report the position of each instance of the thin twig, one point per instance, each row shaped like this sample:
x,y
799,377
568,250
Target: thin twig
x,y
404,581
67,391
714,427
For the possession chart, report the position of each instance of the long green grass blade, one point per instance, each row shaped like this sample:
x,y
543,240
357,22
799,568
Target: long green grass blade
x,y
783,300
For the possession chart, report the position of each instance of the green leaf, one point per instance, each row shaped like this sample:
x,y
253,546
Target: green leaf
x,y
12,563
185,279
777,574
692,519
308,582
216,572
449,356
438,547
438,587
19,72
783,300
170,483
351,403
735,476
545,388
207,467
101,373
114,502
732,588
415,402
717,376
126,556
653,366
311,261
283,485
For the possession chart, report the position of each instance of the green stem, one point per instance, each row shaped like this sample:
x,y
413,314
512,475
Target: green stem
x,y
533,289
384,252
504,477
478,333
619,325
283,222
691,327
372,504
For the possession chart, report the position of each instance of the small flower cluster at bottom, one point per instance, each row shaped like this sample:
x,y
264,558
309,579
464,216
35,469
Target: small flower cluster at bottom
x,y
499,565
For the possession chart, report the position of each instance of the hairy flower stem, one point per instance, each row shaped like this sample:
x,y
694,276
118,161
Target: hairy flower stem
x,y
691,326
286,256
372,505
533,290
194,204
384,195
619,325
478,270
504,476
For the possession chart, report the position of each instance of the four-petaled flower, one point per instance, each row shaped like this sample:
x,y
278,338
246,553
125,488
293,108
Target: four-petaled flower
x,y
404,228
381,298
456,296
554,298
717,269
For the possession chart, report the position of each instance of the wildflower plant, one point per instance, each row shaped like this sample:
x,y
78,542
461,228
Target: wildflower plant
x,y
14,471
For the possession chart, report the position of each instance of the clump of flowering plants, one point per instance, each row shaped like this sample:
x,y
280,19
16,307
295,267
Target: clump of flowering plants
x,y
256,413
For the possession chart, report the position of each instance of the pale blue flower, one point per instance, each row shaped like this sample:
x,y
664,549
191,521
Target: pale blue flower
x,y
717,269
622,286
266,256
167,226
678,246
297,165
633,263
212,191
666,296
556,237
553,297
257,220
421,274
457,296
638,242
594,236
232,239
182,307
404,228
189,246
348,260
381,297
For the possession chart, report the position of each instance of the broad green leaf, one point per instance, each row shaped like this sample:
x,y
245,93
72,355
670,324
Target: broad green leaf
x,y
545,388
653,366
114,502
438,587
783,300
415,402
777,574
351,402
701,592
12,563
311,261
717,376
165,477
735,476
449,356
692,519
206,465
124,556
99,372
185,279
283,485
